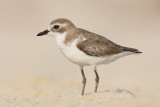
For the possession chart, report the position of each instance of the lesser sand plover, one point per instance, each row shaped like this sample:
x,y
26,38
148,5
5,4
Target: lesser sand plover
x,y
85,48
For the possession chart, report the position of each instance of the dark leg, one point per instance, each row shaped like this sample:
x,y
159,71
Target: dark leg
x,y
97,79
83,81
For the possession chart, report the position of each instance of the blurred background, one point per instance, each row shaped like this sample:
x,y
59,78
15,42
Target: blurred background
x,y
132,23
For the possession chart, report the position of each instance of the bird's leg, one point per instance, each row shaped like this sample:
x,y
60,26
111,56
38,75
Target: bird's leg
x,y
97,79
83,81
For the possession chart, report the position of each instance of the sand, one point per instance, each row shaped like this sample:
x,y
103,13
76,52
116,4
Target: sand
x,y
33,72
43,91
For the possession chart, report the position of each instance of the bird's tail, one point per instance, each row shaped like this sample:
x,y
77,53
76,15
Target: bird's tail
x,y
126,49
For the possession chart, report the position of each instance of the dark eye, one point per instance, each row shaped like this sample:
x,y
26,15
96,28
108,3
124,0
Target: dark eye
x,y
56,26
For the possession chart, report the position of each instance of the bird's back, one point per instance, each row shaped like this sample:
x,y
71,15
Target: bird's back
x,y
95,45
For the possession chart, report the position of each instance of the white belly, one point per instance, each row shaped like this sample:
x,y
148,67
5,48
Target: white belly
x,y
78,57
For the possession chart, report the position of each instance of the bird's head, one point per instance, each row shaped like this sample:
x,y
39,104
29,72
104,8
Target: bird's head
x,y
58,26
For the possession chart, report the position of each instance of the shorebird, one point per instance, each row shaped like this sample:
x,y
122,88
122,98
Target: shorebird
x,y
85,48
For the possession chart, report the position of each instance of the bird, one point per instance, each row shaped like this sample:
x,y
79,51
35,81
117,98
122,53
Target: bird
x,y
85,48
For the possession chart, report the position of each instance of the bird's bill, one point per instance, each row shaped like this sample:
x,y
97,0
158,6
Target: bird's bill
x,y
43,33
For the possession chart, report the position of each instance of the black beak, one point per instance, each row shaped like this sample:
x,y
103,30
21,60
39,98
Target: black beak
x,y
43,33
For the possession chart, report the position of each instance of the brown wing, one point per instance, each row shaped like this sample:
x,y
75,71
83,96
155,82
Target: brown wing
x,y
96,45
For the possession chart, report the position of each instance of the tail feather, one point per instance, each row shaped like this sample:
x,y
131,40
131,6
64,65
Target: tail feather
x,y
131,50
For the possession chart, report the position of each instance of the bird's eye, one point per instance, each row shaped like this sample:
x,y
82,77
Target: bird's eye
x,y
56,26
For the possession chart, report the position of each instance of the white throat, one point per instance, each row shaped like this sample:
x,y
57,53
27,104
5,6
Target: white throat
x,y
60,37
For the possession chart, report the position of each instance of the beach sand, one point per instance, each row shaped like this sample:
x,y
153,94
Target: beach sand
x,y
45,91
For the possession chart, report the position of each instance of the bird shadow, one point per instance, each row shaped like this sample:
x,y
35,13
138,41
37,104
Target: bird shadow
x,y
118,91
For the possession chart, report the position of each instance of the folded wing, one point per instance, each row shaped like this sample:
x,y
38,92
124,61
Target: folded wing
x,y
95,45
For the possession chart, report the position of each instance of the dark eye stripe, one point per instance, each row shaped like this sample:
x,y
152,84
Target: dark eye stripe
x,y
56,26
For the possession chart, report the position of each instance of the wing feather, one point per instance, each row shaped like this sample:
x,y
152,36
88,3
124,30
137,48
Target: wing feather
x,y
96,45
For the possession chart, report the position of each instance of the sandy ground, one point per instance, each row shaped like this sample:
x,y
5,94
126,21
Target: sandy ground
x,y
33,72
45,91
